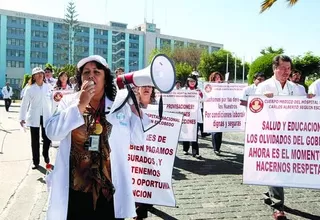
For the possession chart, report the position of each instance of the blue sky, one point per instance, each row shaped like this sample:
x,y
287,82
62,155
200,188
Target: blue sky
x,y
235,23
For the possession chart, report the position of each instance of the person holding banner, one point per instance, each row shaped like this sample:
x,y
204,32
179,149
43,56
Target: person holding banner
x,y
251,90
295,77
92,176
192,84
63,82
216,77
278,85
146,96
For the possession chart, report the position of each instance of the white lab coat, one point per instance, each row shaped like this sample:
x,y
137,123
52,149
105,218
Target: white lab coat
x,y
7,94
125,126
36,101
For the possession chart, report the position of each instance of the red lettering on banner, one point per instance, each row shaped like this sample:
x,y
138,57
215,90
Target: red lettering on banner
x,y
275,152
259,152
312,140
141,159
153,183
218,124
305,168
274,139
151,137
142,194
162,139
273,166
188,121
271,125
252,138
137,148
301,154
145,171
180,106
284,154
159,150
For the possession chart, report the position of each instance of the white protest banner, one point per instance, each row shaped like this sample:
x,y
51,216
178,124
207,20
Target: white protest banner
x,y
152,163
185,102
222,110
282,144
57,96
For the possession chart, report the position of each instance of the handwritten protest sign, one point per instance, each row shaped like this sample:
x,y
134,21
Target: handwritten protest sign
x,y
282,144
152,163
222,110
185,102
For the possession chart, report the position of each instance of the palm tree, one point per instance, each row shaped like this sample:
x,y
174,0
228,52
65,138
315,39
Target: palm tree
x,y
266,4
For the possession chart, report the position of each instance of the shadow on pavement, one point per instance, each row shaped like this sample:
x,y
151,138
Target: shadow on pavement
x,y
301,213
177,175
162,214
232,143
41,180
207,166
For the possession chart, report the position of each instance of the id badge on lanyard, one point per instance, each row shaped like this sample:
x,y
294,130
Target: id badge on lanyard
x,y
92,144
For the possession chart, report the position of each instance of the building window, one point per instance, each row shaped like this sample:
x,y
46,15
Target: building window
x,y
16,31
33,65
15,53
42,34
15,64
100,32
39,44
134,37
15,42
16,20
38,23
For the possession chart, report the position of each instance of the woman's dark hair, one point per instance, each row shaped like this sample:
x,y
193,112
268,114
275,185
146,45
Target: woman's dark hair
x,y
194,78
59,83
110,89
153,96
33,80
213,75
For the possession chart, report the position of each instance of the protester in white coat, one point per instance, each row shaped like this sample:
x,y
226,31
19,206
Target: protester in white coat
x,y
7,93
34,111
192,84
95,135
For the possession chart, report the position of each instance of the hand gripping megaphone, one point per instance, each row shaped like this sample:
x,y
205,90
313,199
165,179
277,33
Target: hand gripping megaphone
x,y
160,74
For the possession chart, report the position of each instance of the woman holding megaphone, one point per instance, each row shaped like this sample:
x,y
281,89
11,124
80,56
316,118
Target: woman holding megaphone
x,y
91,178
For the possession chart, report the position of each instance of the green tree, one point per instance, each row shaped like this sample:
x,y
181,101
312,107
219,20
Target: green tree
x,y
261,64
185,59
72,25
266,4
271,50
183,70
308,64
217,61
26,78
165,50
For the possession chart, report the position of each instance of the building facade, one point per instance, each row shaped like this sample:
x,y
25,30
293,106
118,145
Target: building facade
x,y
29,40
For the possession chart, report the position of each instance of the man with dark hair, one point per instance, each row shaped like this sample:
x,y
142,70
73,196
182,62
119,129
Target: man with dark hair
x,y
48,73
295,77
7,93
251,90
278,85
119,71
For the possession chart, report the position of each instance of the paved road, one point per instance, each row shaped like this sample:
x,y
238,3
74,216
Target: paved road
x,y
205,189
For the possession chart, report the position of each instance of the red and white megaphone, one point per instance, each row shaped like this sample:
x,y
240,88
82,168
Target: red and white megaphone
x,y
160,74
